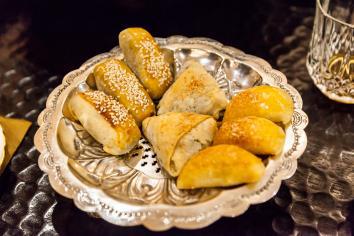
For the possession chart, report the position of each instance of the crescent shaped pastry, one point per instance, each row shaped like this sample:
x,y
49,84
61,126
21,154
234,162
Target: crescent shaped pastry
x,y
175,137
220,166
106,120
114,77
256,135
145,58
195,90
262,101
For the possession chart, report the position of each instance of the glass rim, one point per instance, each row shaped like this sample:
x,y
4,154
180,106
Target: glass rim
x,y
319,4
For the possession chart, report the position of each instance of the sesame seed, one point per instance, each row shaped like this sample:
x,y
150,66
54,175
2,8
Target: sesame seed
x,y
120,80
109,107
153,61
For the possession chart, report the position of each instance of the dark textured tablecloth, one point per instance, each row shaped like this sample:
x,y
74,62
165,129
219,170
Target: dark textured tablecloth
x,y
40,41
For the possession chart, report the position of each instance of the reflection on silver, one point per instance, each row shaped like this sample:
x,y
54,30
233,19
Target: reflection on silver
x,y
210,61
136,177
238,76
128,190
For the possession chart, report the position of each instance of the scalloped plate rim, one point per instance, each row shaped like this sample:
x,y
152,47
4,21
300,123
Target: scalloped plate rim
x,y
147,223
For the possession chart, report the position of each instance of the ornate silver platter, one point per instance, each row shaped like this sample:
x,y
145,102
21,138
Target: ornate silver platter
x,y
133,189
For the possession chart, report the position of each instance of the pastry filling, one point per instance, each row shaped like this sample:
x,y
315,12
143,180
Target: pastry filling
x,y
197,139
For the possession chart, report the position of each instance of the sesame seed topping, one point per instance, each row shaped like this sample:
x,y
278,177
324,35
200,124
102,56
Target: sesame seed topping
x,y
120,80
109,107
153,61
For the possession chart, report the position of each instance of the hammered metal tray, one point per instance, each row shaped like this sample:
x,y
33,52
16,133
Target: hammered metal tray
x,y
133,189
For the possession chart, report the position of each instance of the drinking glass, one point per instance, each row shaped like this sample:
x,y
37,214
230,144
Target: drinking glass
x,y
330,60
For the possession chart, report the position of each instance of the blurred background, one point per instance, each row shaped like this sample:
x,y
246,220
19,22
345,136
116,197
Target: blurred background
x,y
60,35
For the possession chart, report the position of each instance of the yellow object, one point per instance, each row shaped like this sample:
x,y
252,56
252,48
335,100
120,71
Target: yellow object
x,y
220,166
114,77
338,66
263,101
256,135
14,131
145,58
2,145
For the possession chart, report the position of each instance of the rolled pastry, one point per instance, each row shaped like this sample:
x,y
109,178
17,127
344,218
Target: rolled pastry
x,y
220,166
263,101
256,135
144,57
106,120
114,77
195,90
175,137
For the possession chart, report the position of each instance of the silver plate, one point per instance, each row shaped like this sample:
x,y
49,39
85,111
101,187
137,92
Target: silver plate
x,y
133,189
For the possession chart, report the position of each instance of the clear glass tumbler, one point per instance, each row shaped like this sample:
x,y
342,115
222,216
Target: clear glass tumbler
x,y
330,60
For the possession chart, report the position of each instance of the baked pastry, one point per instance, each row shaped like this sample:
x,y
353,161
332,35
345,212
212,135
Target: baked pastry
x,y
114,77
106,120
256,135
146,59
220,166
262,101
195,90
176,137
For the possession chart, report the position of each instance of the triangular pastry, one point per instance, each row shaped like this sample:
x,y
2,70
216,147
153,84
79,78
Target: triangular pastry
x,y
195,90
176,137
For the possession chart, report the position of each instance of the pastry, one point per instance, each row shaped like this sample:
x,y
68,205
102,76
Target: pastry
x,y
106,120
262,101
195,90
175,137
145,58
256,135
220,166
114,77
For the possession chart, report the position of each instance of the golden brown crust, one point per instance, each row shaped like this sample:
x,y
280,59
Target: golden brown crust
x,y
114,112
263,101
105,120
165,132
115,78
145,58
256,135
194,90
220,166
